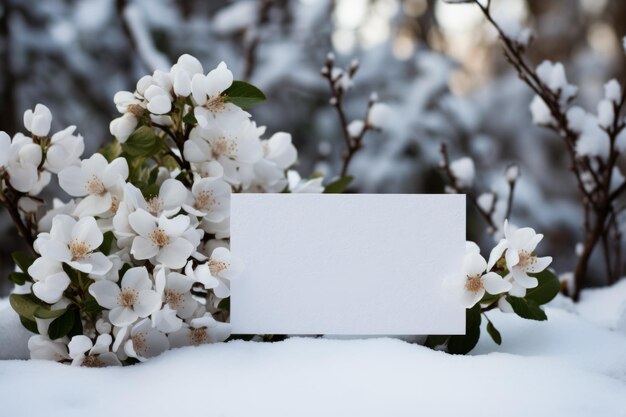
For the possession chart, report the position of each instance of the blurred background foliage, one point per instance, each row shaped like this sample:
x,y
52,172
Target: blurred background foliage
x,y
438,66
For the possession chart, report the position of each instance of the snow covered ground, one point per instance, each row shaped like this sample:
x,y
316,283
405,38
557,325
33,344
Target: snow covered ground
x,y
572,365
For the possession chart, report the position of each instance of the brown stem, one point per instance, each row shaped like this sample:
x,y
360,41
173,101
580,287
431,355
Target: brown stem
x,y
9,198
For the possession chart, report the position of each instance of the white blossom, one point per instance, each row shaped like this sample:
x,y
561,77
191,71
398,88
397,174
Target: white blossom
x,y
38,121
518,247
135,299
142,341
217,272
50,279
74,243
201,330
41,347
21,157
84,352
475,282
211,108
210,198
161,241
123,126
299,185
65,150
97,181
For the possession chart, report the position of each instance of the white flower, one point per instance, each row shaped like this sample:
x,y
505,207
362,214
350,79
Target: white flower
x,y
221,230
298,185
209,198
50,279
217,272
74,243
41,347
202,330
5,144
182,72
65,150
165,320
159,100
21,158
172,195
177,293
211,108
95,179
475,282
123,126
58,207
518,247
133,300
161,241
38,122
230,148
142,342
84,353
279,149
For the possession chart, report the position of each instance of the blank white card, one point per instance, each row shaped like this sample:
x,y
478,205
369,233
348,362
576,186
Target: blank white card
x,y
347,264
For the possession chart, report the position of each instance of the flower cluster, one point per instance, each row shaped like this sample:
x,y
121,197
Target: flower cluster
x,y
138,260
514,279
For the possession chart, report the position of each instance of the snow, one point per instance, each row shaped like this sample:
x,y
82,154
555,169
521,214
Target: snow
x,y
571,365
606,115
464,171
613,91
540,112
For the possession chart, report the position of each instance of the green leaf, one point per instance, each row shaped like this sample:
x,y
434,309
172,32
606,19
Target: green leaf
x,y
548,287
62,325
244,95
30,325
224,304
22,260
90,305
527,309
29,307
19,278
190,118
73,274
25,305
338,186
149,191
494,333
433,341
111,151
143,143
107,242
462,344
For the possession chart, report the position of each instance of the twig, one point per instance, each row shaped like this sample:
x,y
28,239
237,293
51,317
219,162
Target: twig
x,y
597,203
455,185
334,76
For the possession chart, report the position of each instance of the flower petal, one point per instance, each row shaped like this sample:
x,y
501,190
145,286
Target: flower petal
x,y
106,293
495,284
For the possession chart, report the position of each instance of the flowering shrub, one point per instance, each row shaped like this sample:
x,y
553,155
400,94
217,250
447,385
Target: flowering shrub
x,y
514,279
137,261
594,142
